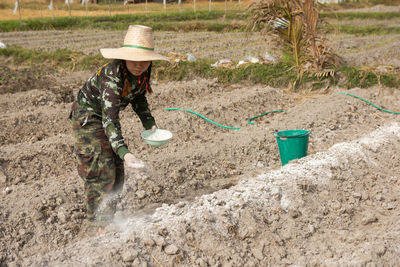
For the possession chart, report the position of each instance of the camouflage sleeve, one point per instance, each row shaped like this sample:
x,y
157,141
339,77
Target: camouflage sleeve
x,y
110,105
141,107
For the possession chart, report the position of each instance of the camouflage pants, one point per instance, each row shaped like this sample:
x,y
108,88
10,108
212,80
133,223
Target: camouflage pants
x,y
100,168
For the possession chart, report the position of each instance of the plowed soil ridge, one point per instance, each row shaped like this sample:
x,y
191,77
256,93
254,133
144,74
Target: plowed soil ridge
x,y
42,203
355,50
314,211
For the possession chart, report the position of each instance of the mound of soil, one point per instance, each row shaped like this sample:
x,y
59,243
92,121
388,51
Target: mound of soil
x,y
334,207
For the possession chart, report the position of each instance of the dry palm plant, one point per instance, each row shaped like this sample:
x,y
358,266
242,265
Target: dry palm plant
x,y
295,22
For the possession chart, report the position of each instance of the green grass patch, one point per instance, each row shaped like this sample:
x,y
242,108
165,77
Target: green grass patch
x,y
61,58
363,4
361,15
184,21
357,77
276,75
361,31
369,30
273,75
385,2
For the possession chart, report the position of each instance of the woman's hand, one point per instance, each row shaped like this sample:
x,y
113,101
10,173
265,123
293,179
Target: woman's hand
x,y
133,162
153,129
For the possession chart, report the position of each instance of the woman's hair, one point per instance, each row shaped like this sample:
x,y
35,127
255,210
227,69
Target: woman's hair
x,y
142,78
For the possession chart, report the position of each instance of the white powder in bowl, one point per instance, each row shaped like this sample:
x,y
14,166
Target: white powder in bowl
x,y
159,136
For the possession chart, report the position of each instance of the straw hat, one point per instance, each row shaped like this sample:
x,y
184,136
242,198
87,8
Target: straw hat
x,y
138,46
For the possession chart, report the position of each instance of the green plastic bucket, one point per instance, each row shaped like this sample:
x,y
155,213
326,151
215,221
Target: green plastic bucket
x,y
292,144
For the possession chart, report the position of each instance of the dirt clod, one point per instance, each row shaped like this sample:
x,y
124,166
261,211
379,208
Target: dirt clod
x,y
171,249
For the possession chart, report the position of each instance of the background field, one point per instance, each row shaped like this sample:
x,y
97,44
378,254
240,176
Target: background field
x,y
36,9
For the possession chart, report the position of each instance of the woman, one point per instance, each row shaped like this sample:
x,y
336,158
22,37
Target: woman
x,y
99,146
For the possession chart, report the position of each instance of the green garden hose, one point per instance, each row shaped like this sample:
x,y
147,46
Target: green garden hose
x,y
224,126
274,111
252,118
366,101
207,119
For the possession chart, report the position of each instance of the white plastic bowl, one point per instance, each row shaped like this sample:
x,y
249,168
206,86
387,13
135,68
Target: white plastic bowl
x,y
157,138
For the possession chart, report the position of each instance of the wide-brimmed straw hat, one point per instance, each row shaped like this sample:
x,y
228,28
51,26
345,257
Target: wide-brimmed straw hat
x,y
138,46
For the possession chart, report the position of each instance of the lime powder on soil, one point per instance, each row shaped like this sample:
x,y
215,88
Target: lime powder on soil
x,y
158,136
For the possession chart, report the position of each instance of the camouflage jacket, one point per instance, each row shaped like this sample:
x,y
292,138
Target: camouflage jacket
x,y
104,95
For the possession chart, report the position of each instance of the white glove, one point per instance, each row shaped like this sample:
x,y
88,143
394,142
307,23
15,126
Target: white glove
x,y
132,162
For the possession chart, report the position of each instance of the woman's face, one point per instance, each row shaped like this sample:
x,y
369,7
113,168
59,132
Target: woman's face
x,y
137,67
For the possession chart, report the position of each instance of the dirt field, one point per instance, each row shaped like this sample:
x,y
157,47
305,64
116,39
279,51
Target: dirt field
x,y
356,50
212,196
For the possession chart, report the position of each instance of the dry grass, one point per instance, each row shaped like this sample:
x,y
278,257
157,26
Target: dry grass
x,y
295,23
41,10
